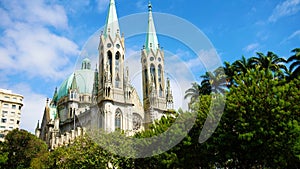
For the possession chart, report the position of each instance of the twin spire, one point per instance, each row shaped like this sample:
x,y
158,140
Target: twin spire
x,y
151,38
112,26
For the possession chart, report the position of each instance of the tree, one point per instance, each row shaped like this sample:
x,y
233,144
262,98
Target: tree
x,y
216,80
188,153
242,65
21,147
295,62
229,70
84,152
260,125
194,92
270,62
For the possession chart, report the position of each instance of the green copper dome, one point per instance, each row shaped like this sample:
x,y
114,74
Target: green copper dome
x,y
84,81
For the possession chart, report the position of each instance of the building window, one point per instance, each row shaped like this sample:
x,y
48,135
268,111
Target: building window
x,y
13,106
160,91
18,121
117,67
159,73
152,72
109,56
146,81
2,135
3,120
73,95
11,127
12,112
6,97
3,127
118,120
5,105
4,112
20,107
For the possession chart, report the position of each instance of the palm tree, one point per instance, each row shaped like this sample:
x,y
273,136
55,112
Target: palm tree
x,y
229,70
194,92
241,66
216,80
269,62
295,66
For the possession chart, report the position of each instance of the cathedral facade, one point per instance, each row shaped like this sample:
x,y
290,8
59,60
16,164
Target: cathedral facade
x,y
104,98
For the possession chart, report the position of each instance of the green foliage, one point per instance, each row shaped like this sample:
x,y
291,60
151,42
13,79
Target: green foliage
x,y
260,123
3,155
295,63
84,152
19,148
259,128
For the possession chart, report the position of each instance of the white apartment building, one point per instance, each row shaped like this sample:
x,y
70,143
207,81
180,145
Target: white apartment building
x,y
10,111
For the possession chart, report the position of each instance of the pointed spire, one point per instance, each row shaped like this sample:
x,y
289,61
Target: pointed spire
x,y
96,84
151,38
112,24
38,125
169,97
54,99
74,83
47,102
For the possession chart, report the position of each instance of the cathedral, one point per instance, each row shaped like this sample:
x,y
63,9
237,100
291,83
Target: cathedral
x,y
104,98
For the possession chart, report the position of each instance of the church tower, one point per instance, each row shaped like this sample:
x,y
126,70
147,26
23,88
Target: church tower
x,y
152,59
111,58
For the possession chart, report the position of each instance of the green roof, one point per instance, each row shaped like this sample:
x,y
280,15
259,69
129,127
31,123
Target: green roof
x,y
84,80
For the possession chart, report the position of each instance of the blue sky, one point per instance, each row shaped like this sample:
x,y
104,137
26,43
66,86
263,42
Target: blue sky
x,y
41,40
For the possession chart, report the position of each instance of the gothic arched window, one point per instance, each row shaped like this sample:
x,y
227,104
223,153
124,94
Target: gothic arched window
x,y
109,57
159,74
160,91
152,72
146,80
117,67
118,120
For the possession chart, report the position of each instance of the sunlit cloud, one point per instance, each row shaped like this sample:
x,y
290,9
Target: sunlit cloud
x,y
286,8
102,5
29,42
251,47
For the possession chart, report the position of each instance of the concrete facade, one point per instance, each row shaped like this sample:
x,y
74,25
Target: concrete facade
x,y
10,109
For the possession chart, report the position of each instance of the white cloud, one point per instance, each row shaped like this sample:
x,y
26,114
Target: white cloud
x,y
28,42
251,47
37,12
102,5
294,34
206,59
75,7
286,8
181,77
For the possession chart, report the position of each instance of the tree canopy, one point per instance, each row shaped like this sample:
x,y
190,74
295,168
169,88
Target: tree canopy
x,y
259,127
